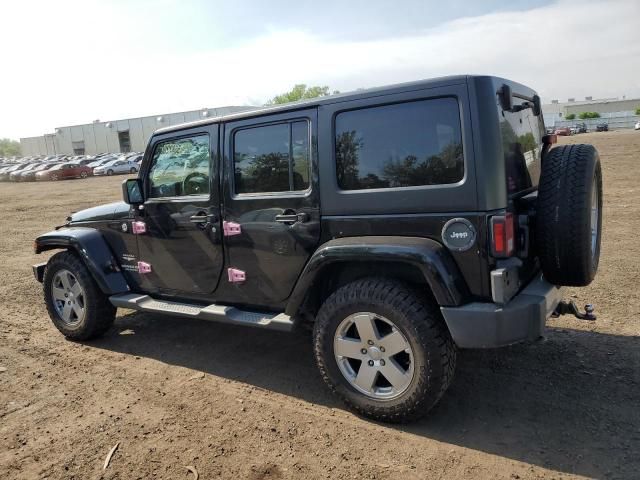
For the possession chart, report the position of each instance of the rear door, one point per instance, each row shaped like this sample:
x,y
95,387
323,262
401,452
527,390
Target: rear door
x,y
181,247
272,211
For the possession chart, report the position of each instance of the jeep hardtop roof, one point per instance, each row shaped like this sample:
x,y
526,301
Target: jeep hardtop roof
x,y
340,97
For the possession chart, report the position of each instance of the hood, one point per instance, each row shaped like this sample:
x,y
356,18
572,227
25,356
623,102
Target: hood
x,y
110,211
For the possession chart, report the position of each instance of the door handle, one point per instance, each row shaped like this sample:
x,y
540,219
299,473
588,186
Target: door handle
x,y
292,218
202,218
198,219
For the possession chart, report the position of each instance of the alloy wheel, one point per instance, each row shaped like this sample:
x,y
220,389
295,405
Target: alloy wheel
x,y
68,297
373,355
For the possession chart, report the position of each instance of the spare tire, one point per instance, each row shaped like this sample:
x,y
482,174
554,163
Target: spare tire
x,y
569,215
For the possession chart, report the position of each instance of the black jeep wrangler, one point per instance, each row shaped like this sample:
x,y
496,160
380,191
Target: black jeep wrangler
x,y
400,223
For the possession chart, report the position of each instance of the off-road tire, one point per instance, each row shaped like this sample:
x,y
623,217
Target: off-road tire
x,y
563,221
420,322
100,313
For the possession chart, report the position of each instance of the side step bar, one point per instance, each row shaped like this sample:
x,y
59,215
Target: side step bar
x,y
217,313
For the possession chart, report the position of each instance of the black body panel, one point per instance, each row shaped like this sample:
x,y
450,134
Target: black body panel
x,y
472,264
109,211
431,258
95,252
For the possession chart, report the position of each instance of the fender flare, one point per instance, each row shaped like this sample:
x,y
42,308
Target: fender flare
x,y
94,251
436,264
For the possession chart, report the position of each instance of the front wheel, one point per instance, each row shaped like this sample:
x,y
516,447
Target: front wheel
x,y
109,172
133,170
83,175
384,350
76,305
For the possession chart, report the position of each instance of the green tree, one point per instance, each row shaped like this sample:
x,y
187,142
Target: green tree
x,y
300,92
571,116
586,115
637,111
348,148
9,148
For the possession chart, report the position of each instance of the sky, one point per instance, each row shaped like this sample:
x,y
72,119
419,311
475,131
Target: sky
x,y
69,62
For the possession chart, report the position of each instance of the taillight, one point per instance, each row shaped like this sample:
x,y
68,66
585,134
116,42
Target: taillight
x,y
502,237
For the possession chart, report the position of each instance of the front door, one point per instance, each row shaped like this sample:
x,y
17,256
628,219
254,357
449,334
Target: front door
x,y
271,212
179,247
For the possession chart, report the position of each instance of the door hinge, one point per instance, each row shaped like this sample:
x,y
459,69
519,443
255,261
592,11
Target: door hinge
x,y
231,228
138,228
236,276
144,267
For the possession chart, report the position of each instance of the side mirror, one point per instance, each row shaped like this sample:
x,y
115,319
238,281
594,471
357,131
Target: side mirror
x,y
132,191
505,97
537,106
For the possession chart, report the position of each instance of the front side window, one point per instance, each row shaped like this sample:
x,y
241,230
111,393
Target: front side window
x,y
180,167
400,145
272,158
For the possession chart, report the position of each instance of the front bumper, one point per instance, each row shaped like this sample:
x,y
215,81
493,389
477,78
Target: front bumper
x,y
488,325
38,271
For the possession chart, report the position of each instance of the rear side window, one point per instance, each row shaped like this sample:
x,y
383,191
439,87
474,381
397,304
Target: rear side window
x,y
272,158
400,145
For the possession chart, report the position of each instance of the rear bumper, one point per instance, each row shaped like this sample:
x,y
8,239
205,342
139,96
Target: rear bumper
x,y
488,325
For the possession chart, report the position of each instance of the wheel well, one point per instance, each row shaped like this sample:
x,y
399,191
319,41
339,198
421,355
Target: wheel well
x,y
338,274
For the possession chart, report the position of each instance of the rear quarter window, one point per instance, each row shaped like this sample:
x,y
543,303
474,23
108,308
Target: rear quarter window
x,y
522,145
400,145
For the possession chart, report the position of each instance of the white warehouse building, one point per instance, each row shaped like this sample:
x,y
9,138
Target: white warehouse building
x,y
128,135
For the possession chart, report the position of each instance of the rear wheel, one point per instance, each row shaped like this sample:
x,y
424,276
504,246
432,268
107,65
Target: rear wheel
x,y
54,176
383,350
133,170
76,305
83,174
109,172
569,215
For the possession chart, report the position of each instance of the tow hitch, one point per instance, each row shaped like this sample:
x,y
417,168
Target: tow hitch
x,y
570,308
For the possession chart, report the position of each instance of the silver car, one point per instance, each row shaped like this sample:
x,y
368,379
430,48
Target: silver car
x,y
116,166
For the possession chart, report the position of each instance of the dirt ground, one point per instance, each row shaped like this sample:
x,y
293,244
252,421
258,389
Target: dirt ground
x,y
237,403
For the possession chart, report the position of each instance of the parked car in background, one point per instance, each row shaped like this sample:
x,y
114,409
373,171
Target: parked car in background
x,y
637,127
64,170
15,176
581,127
137,158
85,161
565,131
30,175
116,166
102,160
602,127
4,175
